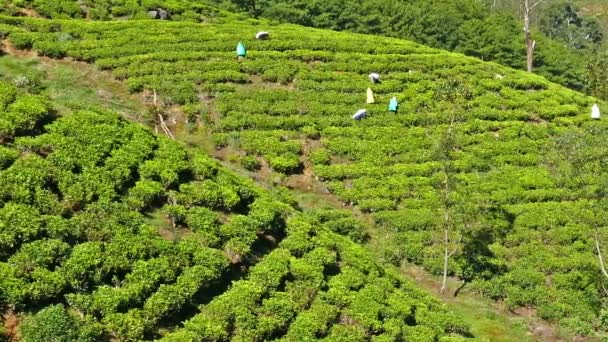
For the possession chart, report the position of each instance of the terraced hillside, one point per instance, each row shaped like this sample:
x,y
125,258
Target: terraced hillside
x,y
502,170
108,232
199,10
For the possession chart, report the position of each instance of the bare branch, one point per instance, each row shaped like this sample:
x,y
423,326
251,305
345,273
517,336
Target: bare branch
x,y
599,254
456,247
536,4
163,125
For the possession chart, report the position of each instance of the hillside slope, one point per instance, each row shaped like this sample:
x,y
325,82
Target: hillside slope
x,y
510,162
78,251
484,29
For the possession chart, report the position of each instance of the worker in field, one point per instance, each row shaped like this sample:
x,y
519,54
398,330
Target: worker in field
x,y
360,114
595,112
374,77
241,51
262,35
393,105
370,96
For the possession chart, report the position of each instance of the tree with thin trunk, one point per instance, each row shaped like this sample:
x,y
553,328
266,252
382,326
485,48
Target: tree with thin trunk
x,y
530,43
599,253
447,146
595,218
576,160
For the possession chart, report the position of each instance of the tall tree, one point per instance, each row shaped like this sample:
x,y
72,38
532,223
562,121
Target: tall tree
x,y
253,7
561,22
597,75
451,238
578,162
530,43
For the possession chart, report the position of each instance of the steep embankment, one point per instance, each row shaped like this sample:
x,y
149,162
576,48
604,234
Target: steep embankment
x,y
509,162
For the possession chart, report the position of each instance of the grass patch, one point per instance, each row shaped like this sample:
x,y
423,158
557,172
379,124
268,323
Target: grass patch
x,y
71,86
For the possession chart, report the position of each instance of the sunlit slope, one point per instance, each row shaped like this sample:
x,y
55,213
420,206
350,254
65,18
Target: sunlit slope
x,y
199,10
526,165
108,232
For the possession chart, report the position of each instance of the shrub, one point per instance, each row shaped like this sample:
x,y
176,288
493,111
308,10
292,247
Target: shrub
x,y
250,163
287,163
311,132
21,40
320,156
350,227
50,49
54,323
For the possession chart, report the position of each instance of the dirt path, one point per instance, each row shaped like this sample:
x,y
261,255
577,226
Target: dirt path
x,y
7,47
29,12
11,322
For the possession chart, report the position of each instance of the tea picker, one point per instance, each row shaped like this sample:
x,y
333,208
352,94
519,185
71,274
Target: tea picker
x,y
360,114
393,105
595,112
370,96
241,51
374,77
262,35
160,14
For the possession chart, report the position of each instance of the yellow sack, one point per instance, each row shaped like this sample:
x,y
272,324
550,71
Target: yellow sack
x,y
370,96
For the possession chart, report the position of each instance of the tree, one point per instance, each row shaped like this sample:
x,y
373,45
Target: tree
x,y
561,22
578,161
597,75
530,43
253,7
599,251
446,148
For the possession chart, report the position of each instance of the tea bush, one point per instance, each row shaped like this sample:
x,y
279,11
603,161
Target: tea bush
x,y
82,259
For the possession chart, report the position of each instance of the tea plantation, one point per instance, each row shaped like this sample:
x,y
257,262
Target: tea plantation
x,y
512,164
78,251
113,9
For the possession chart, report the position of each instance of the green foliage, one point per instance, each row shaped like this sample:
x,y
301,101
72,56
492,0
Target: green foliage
x,y
475,28
472,27
561,21
597,75
119,9
54,323
282,295
250,163
505,121
20,113
101,256
320,157
285,163
88,180
73,228
342,222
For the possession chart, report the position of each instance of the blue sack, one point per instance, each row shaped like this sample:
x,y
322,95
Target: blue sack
x,y
393,105
240,50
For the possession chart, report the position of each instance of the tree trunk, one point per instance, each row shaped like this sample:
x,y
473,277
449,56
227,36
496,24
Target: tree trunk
x,y
599,253
530,43
446,255
446,235
448,148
